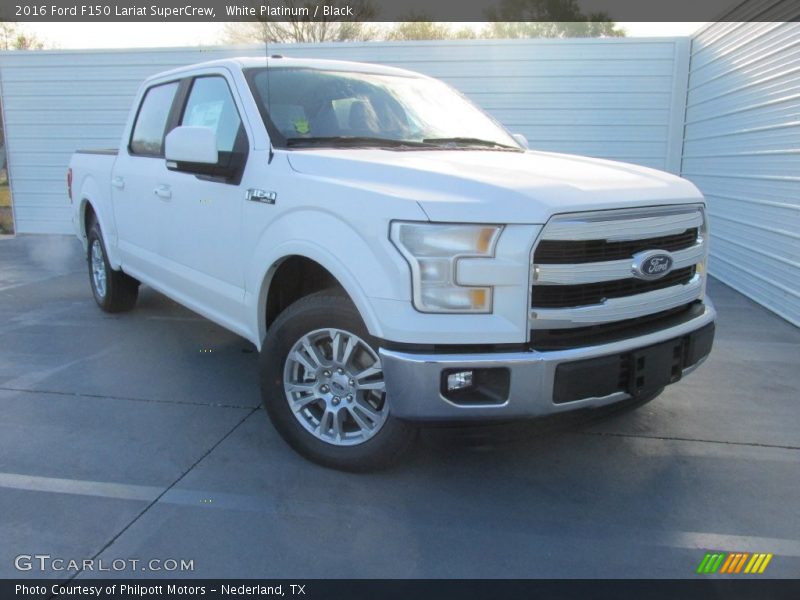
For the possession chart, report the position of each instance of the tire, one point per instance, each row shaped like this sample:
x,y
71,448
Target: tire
x,y
114,291
339,415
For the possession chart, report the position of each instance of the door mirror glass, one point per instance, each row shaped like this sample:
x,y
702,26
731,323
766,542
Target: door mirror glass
x,y
188,144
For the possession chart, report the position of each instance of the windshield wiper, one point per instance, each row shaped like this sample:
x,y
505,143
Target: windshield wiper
x,y
468,141
355,142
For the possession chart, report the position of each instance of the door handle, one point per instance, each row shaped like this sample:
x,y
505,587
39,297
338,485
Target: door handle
x,y
118,182
163,192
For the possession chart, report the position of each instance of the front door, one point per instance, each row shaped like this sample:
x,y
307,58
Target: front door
x,y
201,230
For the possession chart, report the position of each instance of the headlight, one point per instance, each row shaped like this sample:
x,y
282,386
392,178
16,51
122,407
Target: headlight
x,y
432,251
702,267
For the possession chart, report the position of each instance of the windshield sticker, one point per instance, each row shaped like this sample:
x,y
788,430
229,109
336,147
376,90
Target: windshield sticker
x,y
301,126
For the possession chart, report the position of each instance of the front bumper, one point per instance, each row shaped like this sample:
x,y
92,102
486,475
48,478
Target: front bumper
x,y
531,383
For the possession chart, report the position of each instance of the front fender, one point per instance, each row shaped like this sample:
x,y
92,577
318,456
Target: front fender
x,y
366,266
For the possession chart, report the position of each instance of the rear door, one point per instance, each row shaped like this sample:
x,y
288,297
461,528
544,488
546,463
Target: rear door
x,y
139,167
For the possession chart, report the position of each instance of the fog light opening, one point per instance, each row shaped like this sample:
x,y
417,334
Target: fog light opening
x,y
459,380
476,386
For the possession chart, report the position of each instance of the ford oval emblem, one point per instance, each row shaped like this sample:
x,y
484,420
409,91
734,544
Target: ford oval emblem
x,y
652,264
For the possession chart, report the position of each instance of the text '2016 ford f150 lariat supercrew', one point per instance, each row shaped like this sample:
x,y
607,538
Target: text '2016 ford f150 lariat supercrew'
x,y
394,253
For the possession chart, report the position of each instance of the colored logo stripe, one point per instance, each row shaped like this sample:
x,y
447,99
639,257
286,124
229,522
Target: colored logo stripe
x,y
734,562
710,563
758,563
732,558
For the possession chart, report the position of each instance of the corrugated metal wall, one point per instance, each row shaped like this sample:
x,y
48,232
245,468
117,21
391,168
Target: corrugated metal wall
x,y
620,98
742,148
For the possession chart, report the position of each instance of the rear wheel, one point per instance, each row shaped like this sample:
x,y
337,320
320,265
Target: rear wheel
x,y
114,291
323,388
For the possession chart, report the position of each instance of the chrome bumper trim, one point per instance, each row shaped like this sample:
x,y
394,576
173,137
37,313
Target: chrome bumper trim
x,y
413,380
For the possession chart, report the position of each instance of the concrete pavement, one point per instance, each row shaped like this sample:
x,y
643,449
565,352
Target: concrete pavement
x,y
123,437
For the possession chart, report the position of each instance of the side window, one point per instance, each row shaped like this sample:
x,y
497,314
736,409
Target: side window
x,y
210,104
148,131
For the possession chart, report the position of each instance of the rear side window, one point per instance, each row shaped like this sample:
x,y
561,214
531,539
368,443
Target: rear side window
x,y
148,131
210,104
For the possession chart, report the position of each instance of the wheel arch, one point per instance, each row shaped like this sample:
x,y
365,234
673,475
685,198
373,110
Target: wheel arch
x,y
88,215
324,271
91,204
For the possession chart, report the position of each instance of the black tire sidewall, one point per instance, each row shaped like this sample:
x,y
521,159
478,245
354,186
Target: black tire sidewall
x,y
320,311
121,290
95,234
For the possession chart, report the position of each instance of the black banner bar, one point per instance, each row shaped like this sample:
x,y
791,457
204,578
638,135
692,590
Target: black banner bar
x,y
406,589
398,11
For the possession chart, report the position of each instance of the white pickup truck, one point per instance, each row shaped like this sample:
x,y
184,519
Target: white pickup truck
x,y
393,252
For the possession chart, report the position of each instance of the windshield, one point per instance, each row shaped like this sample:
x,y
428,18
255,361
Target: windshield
x,y
305,107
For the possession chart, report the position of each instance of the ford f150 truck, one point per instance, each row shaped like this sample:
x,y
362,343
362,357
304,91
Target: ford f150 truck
x,y
393,252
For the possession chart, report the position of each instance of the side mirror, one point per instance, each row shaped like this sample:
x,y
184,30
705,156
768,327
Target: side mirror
x,y
521,140
197,145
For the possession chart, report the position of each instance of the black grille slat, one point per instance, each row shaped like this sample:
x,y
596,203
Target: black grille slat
x,y
557,252
563,296
605,333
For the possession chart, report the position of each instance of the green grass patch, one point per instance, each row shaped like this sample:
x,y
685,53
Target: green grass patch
x,y
5,196
6,221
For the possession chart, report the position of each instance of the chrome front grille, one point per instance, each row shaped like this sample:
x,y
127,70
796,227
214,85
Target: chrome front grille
x,y
582,294
582,266
561,252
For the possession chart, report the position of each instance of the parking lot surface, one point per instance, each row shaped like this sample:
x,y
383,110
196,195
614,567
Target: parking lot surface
x,y
139,437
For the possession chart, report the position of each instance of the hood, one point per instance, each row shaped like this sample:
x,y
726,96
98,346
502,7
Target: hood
x,y
496,187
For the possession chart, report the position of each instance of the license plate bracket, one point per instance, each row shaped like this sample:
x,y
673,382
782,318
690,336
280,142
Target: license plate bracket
x,y
656,366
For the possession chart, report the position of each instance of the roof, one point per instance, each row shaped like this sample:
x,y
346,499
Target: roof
x,y
276,61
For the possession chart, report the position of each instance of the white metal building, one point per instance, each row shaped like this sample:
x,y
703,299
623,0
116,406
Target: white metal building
x,y
621,99
723,109
742,148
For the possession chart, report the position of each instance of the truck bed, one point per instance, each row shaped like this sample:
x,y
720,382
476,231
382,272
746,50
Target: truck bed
x,y
105,151
91,177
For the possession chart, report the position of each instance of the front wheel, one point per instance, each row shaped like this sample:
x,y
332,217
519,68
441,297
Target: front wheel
x,y
323,388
